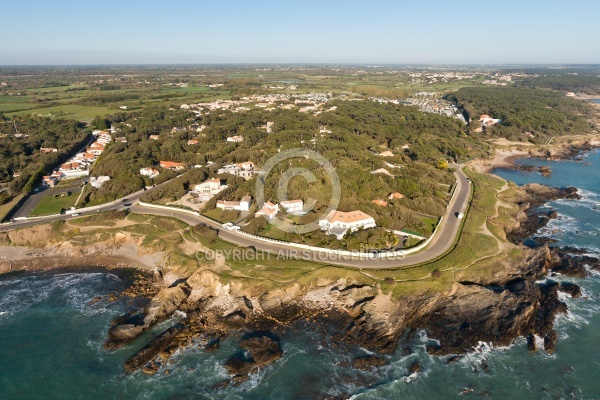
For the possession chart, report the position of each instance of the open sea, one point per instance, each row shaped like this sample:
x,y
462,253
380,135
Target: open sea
x,y
51,340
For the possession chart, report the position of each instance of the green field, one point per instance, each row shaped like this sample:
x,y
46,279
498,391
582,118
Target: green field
x,y
53,205
81,113
6,208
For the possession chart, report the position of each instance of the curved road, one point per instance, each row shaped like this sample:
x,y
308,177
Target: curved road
x,y
439,245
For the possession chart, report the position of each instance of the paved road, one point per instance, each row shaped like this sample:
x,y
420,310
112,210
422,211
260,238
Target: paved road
x,y
439,245
34,199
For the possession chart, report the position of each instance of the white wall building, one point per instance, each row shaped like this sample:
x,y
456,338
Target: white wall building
x,y
149,172
207,189
293,206
242,205
338,222
268,210
244,170
97,182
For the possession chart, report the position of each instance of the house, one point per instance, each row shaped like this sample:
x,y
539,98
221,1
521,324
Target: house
x,y
381,203
154,137
49,181
338,223
244,170
88,157
486,120
192,142
70,167
395,195
172,165
48,150
149,172
268,210
242,205
293,206
97,182
209,188
235,139
96,148
121,139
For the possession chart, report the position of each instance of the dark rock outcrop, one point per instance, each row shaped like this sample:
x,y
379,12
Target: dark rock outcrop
x,y
153,348
367,363
264,349
126,328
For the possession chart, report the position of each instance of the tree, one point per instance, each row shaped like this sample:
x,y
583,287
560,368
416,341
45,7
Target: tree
x,y
100,123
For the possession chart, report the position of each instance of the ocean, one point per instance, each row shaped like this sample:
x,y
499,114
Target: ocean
x,y
51,339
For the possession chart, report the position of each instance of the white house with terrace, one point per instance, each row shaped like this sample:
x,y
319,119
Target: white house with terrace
x,y
244,170
149,172
242,205
268,210
293,206
207,189
338,223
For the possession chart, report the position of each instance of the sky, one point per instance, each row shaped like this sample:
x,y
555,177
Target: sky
x,y
63,32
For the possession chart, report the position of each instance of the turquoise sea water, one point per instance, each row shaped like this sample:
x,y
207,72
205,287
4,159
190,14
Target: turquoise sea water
x,y
51,340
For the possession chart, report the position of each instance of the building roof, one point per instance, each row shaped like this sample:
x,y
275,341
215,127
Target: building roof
x,y
347,217
381,203
170,164
291,201
396,195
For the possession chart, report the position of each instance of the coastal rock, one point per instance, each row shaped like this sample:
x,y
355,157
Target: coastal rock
x,y
572,264
572,289
367,363
128,327
264,349
531,343
151,350
414,368
263,346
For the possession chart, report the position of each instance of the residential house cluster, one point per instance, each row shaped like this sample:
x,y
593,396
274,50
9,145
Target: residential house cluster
x,y
79,165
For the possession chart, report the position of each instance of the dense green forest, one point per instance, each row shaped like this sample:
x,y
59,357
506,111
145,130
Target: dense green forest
x,y
541,112
573,82
20,142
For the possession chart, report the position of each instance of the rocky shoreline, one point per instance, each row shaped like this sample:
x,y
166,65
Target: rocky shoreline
x,y
521,301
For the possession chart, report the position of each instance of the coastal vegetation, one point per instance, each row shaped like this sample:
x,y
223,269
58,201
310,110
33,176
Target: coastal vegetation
x,y
525,114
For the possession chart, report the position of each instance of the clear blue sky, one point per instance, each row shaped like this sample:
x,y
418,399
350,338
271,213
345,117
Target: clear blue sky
x,y
303,31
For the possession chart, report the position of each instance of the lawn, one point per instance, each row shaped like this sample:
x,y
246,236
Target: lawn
x,y
8,107
6,208
52,205
430,223
81,113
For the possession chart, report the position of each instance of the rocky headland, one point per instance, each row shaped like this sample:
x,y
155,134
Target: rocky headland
x,y
520,300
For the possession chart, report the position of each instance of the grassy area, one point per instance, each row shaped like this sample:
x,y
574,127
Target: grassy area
x,y
54,204
430,223
7,208
81,113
